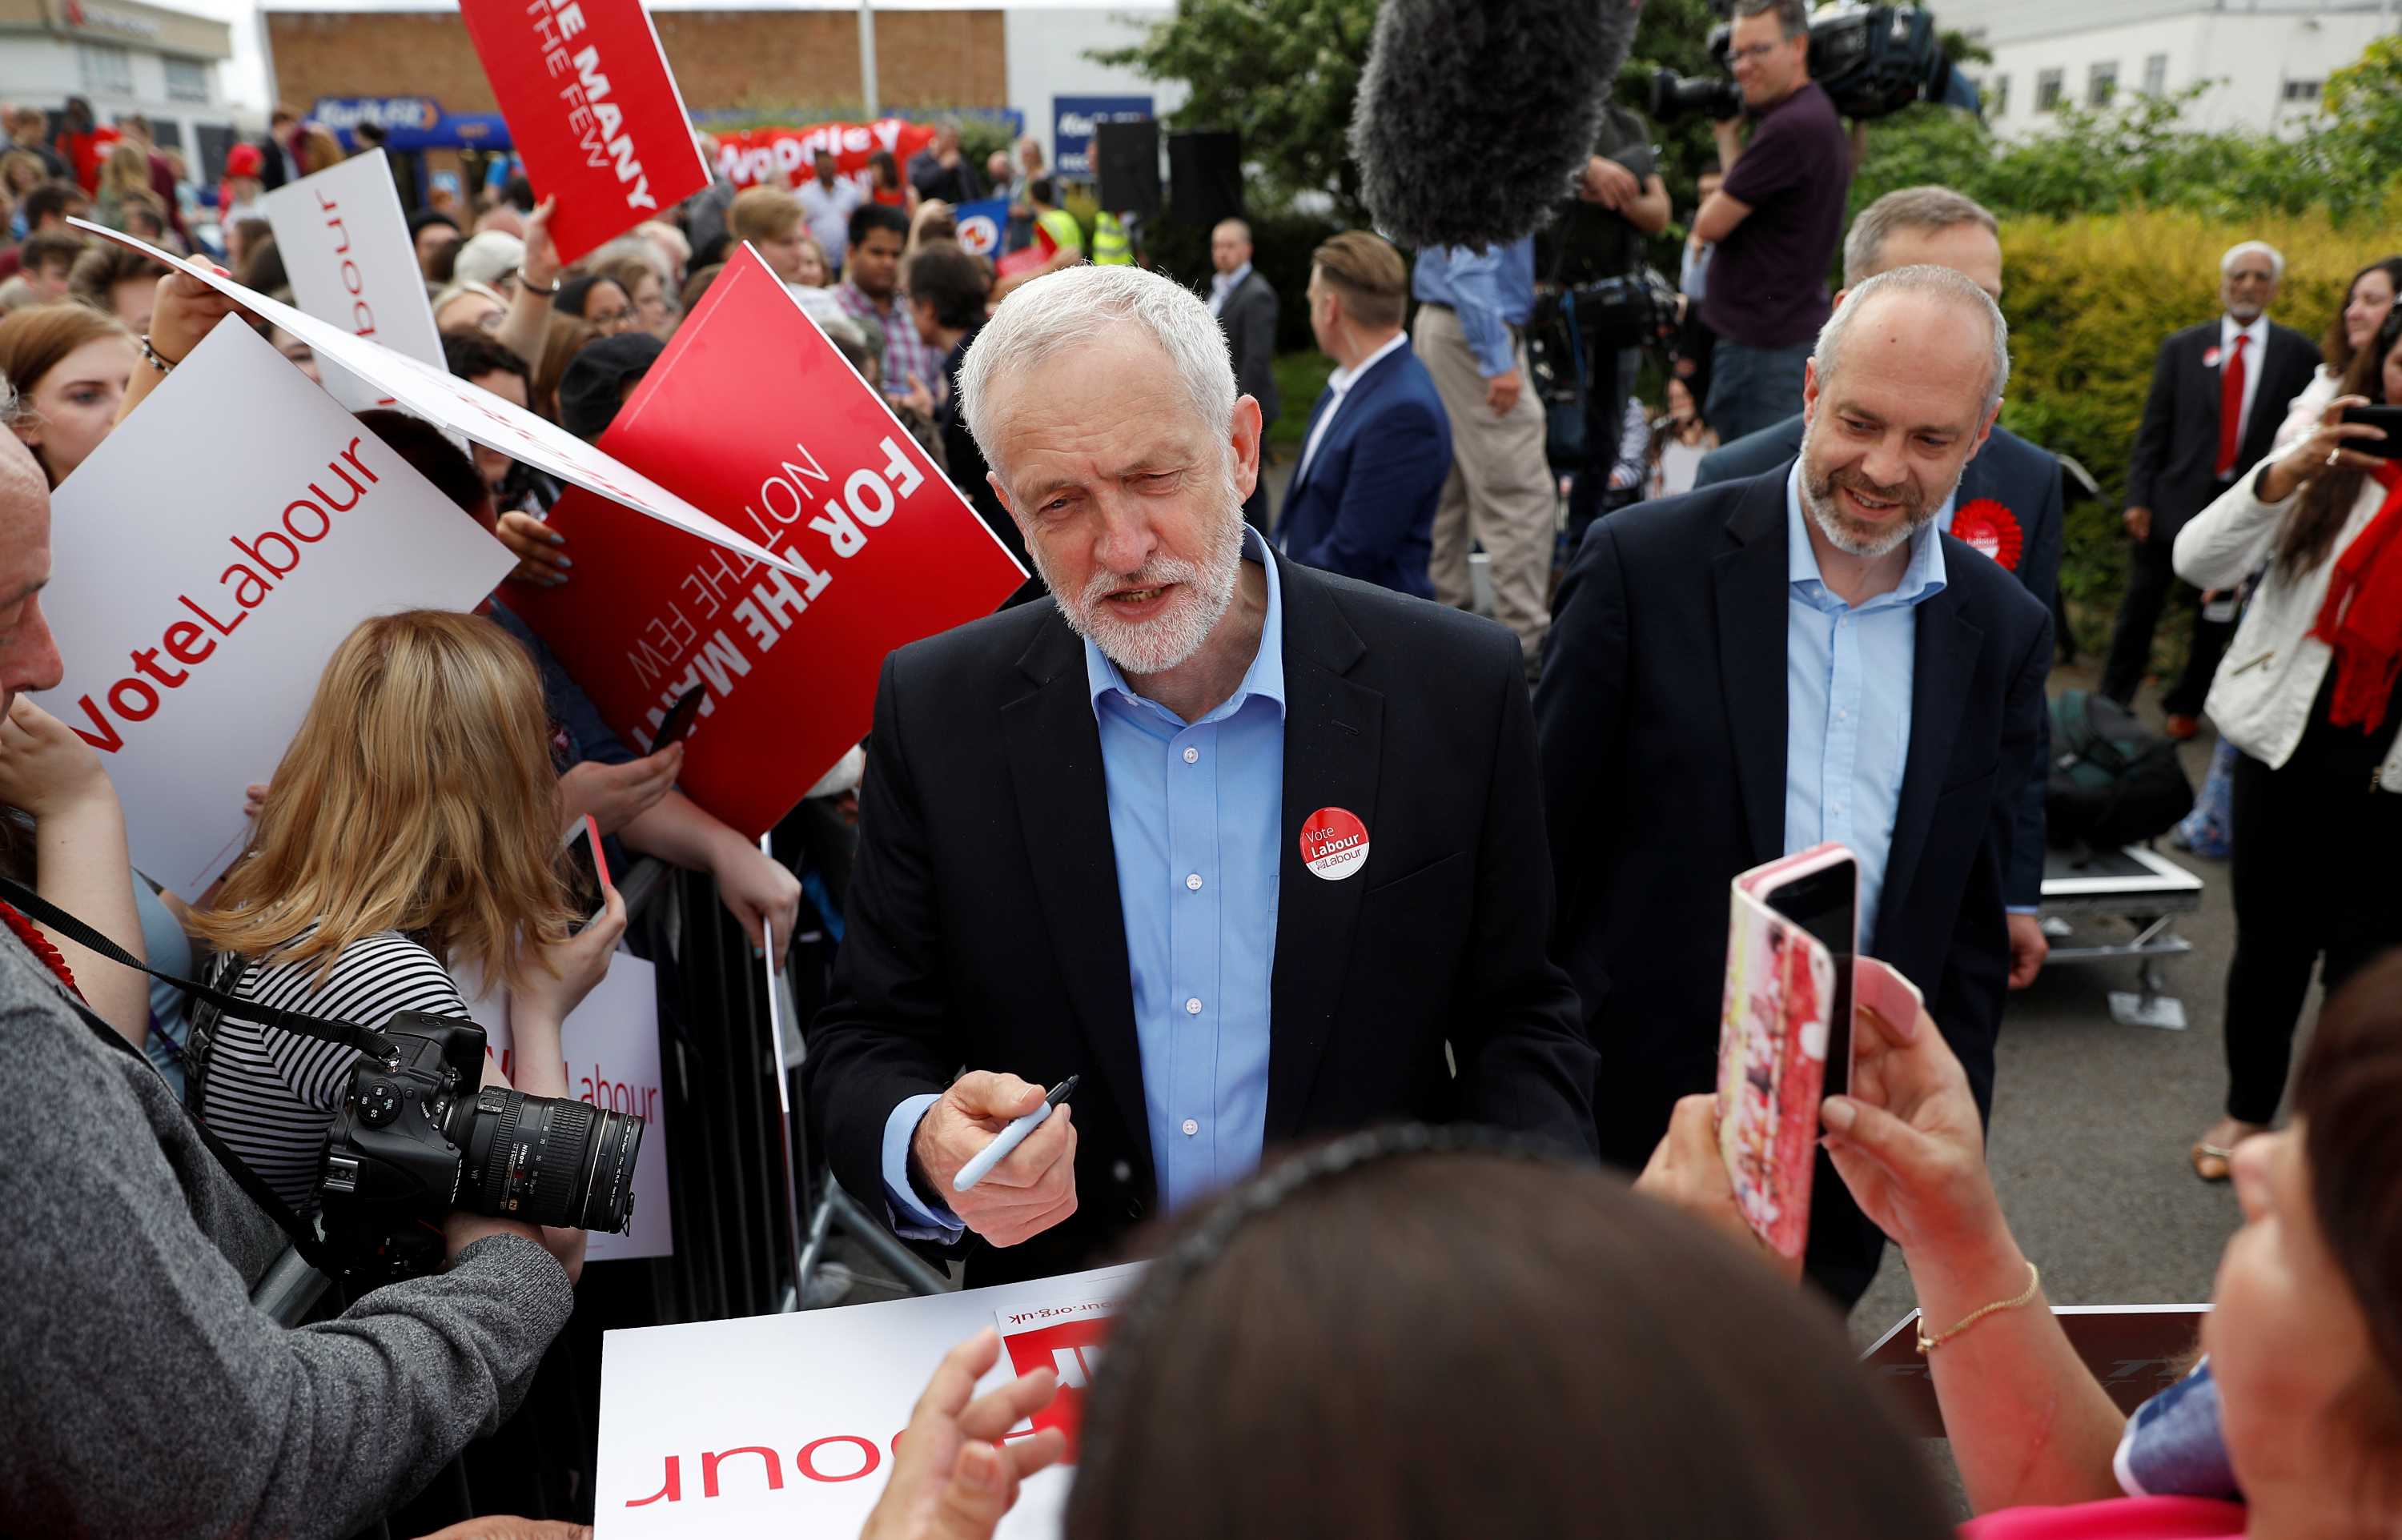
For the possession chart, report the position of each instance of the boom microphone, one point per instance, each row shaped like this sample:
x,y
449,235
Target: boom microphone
x,y
1474,116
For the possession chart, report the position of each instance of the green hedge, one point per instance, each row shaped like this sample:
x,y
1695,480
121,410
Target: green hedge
x,y
2090,301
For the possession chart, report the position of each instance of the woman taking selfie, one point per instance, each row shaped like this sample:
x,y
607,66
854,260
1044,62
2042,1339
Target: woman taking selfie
x,y
2308,692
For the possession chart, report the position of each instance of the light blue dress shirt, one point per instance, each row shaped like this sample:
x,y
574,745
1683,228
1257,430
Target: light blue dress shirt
x,y
1490,291
1223,285
1848,674
1196,811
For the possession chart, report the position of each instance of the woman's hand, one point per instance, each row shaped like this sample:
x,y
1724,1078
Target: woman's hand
x,y
45,769
617,794
754,887
540,266
2325,451
582,961
536,546
1687,1172
1909,1143
952,1479
184,311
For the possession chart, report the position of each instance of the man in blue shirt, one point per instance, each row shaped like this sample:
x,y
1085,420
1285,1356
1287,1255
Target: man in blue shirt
x,y
1752,669
1254,850
1472,306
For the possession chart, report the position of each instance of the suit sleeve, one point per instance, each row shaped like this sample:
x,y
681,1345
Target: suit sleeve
x,y
2039,569
1395,458
1256,349
885,1032
1524,1061
2145,460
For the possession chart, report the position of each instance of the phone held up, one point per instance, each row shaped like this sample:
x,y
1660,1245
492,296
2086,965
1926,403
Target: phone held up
x,y
585,870
679,718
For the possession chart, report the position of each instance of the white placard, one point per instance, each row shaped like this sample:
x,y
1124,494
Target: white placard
x,y
694,1419
430,391
612,1044
347,250
206,560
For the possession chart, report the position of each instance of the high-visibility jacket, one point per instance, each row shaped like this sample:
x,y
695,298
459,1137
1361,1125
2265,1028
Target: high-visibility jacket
x,y
1110,247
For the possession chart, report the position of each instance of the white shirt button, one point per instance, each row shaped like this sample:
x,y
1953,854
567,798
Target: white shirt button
x,y
1193,1006
1191,1128
1843,716
1193,883
1191,755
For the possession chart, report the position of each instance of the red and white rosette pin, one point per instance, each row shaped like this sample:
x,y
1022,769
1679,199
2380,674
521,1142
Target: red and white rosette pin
x,y
1992,530
1333,844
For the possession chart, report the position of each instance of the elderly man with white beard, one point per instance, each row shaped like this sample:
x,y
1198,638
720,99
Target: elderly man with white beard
x,y
1764,664
1253,851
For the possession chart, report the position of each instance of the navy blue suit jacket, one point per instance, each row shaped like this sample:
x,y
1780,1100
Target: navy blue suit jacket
x,y
2025,481
1363,505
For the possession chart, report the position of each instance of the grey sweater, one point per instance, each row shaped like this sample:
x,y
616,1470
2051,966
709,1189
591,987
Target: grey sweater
x,y
140,1392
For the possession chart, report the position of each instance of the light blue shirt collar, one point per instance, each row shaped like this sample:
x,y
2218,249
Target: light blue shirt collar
x,y
1227,282
1922,580
1265,678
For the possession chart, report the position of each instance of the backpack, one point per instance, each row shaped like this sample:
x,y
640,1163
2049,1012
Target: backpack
x,y
2114,781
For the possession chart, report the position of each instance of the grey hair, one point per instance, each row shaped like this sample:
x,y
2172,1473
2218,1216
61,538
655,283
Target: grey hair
x,y
12,405
1938,282
1792,16
627,248
2242,249
1059,311
1928,208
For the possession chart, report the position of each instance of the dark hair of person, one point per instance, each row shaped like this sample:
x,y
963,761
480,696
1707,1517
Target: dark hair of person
x,y
103,267
472,355
1792,16
142,214
422,217
254,230
2349,1097
2337,348
262,267
443,269
1044,190
431,455
886,170
564,336
48,248
876,217
2325,503
1441,1344
952,279
573,292
697,284
51,198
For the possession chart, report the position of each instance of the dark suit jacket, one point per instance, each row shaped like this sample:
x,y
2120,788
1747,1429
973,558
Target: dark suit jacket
x,y
1364,504
984,928
2173,469
1661,715
1249,319
2025,482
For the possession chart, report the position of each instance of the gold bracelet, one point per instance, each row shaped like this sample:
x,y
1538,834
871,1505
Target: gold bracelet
x,y
1928,1344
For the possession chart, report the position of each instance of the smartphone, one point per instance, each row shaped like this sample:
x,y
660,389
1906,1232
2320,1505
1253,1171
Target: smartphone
x,y
680,717
586,872
1825,900
2387,418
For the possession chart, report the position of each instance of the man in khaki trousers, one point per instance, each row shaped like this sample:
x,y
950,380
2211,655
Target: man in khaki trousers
x,y
1471,307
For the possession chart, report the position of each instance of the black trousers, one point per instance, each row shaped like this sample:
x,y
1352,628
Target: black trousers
x,y
2150,579
2314,876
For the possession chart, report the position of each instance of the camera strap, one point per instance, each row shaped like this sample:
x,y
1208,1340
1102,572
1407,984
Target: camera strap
x,y
302,1235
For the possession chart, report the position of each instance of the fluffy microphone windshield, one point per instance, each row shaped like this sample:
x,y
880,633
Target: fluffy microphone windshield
x,y
1473,115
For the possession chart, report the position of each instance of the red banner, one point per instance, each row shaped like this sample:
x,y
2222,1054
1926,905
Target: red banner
x,y
749,154
593,106
751,413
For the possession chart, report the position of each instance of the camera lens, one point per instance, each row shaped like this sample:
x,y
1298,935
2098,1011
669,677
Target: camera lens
x,y
551,1162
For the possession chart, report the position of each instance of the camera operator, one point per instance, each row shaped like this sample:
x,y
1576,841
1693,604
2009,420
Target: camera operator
x,y
1774,221
1620,199
146,1395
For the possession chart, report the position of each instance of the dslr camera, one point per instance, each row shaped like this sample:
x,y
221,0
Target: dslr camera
x,y
1872,60
419,1135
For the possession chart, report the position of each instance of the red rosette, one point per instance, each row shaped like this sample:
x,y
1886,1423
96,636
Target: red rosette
x,y
1993,529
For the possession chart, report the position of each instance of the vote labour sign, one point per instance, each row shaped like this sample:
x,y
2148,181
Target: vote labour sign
x,y
593,106
195,611
754,415
346,248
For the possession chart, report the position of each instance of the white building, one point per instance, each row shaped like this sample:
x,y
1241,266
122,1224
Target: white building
x,y
126,56
2265,61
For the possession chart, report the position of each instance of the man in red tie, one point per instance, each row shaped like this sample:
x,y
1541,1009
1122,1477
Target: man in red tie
x,y
2218,391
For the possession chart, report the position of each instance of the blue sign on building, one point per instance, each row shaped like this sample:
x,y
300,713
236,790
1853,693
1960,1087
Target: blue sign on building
x,y
411,123
1072,128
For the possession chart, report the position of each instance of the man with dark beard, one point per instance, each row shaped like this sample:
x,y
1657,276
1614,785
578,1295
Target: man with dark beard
x,y
1253,851
1754,668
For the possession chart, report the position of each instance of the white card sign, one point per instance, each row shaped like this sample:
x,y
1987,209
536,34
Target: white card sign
x,y
195,612
347,251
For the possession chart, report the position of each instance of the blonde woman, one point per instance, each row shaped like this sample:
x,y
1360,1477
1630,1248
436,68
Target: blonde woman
x,y
125,173
411,828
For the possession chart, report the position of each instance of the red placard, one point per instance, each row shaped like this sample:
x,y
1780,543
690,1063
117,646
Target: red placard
x,y
593,107
746,156
751,413
1072,1349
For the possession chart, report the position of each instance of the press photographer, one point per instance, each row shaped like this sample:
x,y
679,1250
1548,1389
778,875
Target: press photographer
x,y
1775,220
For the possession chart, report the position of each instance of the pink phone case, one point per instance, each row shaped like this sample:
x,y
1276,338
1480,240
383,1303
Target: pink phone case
x,y
1773,1032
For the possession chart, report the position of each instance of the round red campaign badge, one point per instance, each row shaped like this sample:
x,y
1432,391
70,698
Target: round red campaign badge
x,y
1993,529
1333,844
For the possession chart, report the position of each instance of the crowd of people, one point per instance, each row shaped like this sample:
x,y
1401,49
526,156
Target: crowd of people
x,y
1377,934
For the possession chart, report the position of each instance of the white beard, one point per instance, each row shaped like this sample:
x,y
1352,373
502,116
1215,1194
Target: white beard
x,y
1156,645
